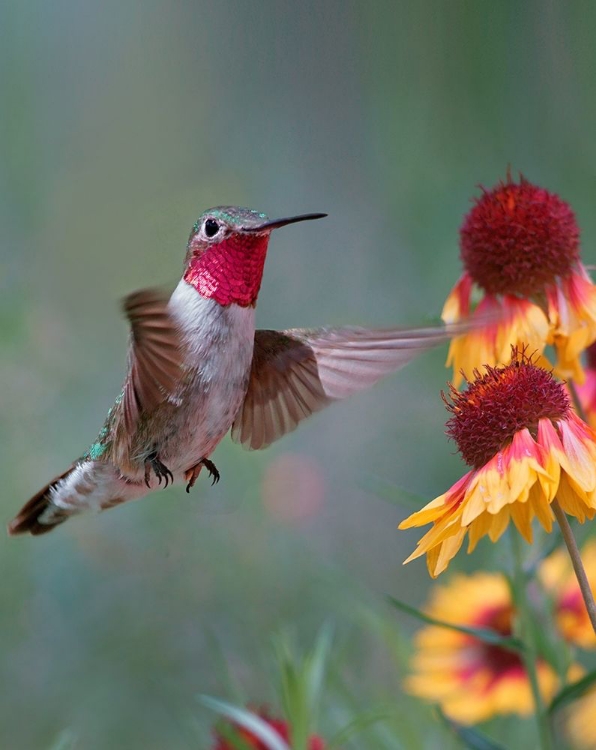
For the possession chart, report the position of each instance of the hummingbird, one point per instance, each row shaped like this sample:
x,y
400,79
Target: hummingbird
x,y
198,368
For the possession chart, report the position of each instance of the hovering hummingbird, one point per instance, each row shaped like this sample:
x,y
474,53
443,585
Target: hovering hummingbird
x,y
197,367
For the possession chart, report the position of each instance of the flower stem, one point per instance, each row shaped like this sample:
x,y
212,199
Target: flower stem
x,y
527,635
578,566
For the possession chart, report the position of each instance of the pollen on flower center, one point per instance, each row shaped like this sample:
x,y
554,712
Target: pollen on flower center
x,y
500,403
518,238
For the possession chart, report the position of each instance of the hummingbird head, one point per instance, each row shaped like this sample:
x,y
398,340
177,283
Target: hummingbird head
x,y
226,252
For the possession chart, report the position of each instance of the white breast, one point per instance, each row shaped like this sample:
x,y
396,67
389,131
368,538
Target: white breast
x,y
219,342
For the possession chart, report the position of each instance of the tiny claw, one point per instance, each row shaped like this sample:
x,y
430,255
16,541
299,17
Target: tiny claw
x,y
192,474
212,469
160,470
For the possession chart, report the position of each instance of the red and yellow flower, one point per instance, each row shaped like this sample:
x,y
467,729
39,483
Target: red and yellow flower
x,y
249,740
579,721
587,390
559,580
515,427
520,251
470,679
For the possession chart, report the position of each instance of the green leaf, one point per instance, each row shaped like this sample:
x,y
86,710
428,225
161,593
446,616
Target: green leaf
x,y
301,683
357,725
472,738
572,692
483,634
247,720
315,665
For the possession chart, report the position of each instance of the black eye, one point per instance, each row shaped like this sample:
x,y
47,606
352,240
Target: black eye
x,y
211,228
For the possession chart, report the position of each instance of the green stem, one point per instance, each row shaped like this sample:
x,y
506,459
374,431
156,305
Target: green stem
x,y
578,566
529,653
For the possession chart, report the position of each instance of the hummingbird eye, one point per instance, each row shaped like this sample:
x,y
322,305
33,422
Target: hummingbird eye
x,y
211,228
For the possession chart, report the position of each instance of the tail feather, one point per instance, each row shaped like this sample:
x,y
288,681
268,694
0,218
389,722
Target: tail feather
x,y
28,518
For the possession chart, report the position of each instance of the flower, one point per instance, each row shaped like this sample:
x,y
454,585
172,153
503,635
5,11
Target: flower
x,y
559,580
579,721
520,247
515,427
471,679
587,391
280,726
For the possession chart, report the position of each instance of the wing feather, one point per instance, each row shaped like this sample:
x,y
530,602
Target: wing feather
x,y
155,355
298,372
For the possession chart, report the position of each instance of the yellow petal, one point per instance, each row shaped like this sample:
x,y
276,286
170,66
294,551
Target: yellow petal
x,y
541,507
572,314
570,501
580,451
447,552
521,514
499,524
479,528
446,504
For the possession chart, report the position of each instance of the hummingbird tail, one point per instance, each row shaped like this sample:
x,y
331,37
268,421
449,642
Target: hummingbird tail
x,y
40,515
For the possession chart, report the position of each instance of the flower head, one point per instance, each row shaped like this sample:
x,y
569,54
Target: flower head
x,y
470,679
559,580
515,428
518,238
520,247
280,726
501,403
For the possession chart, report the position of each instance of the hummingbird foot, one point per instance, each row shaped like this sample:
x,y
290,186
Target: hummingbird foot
x,y
192,474
160,470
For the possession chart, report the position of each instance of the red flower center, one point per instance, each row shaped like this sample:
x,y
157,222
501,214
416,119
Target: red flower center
x,y
518,239
500,403
496,659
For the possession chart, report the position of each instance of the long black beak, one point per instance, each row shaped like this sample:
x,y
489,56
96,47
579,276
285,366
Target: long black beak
x,y
268,225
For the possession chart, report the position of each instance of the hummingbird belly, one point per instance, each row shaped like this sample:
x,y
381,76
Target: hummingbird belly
x,y
219,342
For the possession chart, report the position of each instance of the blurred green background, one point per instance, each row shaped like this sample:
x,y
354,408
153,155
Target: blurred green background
x,y
120,123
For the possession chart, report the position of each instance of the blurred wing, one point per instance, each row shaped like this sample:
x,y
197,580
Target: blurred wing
x,y
155,356
297,372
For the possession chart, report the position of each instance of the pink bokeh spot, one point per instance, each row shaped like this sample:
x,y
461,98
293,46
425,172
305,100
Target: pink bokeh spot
x,y
293,488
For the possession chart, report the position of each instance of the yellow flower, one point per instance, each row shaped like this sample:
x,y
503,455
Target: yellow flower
x,y
470,679
514,426
579,722
559,580
520,248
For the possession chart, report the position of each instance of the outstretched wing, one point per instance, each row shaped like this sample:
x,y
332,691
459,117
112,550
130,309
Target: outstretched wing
x,y
297,372
155,355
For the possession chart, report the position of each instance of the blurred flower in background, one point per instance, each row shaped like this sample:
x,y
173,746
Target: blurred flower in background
x,y
520,248
587,390
514,426
579,721
233,737
559,580
473,680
